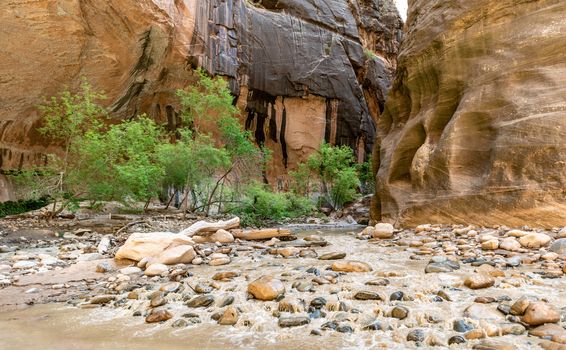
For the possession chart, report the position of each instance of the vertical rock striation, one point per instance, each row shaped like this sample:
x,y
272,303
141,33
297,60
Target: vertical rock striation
x,y
474,129
303,71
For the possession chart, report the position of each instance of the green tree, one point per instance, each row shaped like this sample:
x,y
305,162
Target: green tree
x,y
121,163
228,148
65,119
336,172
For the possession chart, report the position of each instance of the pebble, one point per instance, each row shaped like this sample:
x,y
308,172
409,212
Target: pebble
x,y
416,335
400,312
332,256
266,288
229,317
102,299
351,266
201,301
367,295
538,313
158,315
479,281
286,322
156,270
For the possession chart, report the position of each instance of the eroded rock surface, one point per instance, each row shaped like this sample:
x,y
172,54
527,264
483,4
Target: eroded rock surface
x,y
473,129
299,68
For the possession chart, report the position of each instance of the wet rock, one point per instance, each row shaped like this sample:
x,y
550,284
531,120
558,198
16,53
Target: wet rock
x,y
479,281
373,326
330,325
102,299
548,331
180,323
520,306
351,266
457,339
535,240
344,328
383,230
308,253
219,260
440,267
512,328
400,312
485,300
475,334
494,345
332,256
416,335
158,300
462,326
367,295
286,322
559,247
396,296
202,288
266,288
158,315
538,313
290,305
156,270
318,302
201,301
103,267
223,276
492,244
228,300
483,312
170,287
511,244
381,282
230,317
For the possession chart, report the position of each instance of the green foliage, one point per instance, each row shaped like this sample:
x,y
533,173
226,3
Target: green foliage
x,y
335,170
260,204
69,116
121,163
367,178
18,207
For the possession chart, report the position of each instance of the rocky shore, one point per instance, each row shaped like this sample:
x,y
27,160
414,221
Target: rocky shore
x,y
379,287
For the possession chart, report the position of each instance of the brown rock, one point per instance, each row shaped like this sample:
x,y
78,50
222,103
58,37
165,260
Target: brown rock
x,y
518,308
158,315
228,275
182,254
494,345
230,317
351,266
538,313
266,288
479,281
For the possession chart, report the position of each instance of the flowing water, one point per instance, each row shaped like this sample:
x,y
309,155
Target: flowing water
x,y
61,326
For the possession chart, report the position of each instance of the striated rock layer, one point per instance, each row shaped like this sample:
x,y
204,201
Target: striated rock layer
x,y
304,71
474,129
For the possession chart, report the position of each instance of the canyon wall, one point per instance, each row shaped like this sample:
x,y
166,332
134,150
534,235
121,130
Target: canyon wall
x,y
474,129
303,71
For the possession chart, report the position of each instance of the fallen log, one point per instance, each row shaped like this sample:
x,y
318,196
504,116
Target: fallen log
x,y
204,226
253,235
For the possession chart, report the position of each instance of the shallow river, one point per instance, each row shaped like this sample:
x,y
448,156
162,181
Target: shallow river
x,y
60,326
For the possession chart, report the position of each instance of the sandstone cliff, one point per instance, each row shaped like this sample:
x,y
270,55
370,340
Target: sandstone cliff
x,y
474,129
301,69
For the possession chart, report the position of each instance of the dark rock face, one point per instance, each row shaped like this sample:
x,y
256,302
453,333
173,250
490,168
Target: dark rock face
x,y
473,129
303,71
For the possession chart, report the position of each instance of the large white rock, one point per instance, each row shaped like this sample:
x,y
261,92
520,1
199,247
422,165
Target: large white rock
x,y
151,245
383,230
182,254
535,240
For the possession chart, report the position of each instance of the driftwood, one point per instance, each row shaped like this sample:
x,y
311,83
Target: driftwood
x,y
251,235
203,226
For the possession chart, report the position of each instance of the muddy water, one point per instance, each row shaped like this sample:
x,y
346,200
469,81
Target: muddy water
x,y
59,326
